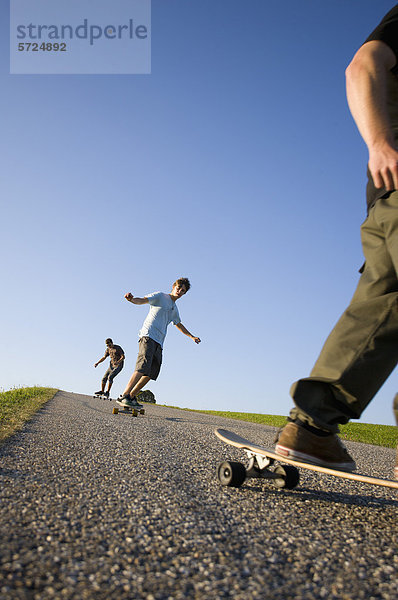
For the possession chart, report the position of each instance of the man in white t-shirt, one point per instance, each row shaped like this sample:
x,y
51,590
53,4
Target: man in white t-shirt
x,y
162,312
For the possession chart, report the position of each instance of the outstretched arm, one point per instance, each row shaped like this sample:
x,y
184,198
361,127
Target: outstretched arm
x,y
129,296
366,78
184,330
100,361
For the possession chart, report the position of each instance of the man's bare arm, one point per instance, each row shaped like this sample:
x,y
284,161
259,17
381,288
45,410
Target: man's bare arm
x,y
184,330
129,296
121,359
366,78
100,361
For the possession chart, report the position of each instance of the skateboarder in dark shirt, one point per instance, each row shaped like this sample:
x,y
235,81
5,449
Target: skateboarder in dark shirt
x,y
362,350
116,354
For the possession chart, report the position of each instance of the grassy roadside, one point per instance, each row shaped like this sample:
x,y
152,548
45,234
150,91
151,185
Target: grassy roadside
x,y
378,435
18,405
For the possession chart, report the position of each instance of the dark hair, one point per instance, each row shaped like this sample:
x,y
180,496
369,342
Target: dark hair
x,y
108,341
183,281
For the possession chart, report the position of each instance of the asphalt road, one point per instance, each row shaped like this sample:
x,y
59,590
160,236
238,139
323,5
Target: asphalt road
x,y
101,506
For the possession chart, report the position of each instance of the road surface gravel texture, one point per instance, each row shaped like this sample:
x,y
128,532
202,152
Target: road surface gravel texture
x,y
102,506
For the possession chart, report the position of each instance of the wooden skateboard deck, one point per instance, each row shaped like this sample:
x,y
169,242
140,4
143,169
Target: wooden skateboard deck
x,y
261,458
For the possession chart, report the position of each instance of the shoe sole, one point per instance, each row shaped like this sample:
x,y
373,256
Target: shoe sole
x,y
312,460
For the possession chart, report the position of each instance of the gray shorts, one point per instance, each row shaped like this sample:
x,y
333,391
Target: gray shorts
x,y
149,358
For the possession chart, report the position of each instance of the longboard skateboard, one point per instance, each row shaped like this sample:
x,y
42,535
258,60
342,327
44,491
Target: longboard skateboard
x,y
233,474
102,397
127,409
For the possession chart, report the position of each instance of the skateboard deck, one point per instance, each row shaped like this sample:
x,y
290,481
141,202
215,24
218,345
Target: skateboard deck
x,y
233,474
127,409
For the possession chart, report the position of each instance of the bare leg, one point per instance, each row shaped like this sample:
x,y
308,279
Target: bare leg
x,y
134,379
136,383
143,381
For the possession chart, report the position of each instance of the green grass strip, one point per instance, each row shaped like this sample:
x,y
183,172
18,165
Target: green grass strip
x,y
18,405
378,435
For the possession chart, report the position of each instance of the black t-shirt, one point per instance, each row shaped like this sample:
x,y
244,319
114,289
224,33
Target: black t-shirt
x,y
387,32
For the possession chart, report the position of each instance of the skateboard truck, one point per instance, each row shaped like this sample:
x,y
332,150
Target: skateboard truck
x,y
258,462
233,474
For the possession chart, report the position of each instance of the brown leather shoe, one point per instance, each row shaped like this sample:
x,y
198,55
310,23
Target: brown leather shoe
x,y
298,443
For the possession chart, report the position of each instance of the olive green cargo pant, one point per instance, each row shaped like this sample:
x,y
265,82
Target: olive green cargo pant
x,y
362,349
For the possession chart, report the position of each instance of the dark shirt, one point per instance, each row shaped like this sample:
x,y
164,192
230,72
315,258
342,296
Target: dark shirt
x,y
387,32
115,354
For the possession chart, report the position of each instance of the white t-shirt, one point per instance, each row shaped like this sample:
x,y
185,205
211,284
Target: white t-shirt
x,y
162,312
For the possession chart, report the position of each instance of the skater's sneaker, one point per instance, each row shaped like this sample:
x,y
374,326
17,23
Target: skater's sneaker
x,y
298,443
99,393
106,395
136,404
127,400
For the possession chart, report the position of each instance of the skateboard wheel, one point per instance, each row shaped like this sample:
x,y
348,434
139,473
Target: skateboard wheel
x,y
115,410
232,474
134,413
289,477
142,411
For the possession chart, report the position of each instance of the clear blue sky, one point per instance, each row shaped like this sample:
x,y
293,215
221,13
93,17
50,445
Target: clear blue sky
x,y
235,163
